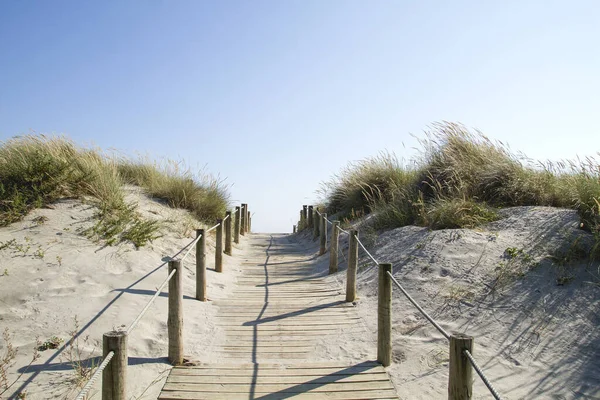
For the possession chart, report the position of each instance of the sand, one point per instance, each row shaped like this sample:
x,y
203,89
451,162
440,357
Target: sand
x,y
535,322
63,276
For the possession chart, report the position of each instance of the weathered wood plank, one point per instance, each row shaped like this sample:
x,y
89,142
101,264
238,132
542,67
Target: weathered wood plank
x,y
359,395
265,371
271,380
279,388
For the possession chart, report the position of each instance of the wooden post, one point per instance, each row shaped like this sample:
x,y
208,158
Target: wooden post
x,y
294,229
201,266
249,222
219,247
316,225
323,242
333,248
114,376
243,220
301,220
175,318
304,218
236,227
309,223
384,316
228,233
352,266
460,378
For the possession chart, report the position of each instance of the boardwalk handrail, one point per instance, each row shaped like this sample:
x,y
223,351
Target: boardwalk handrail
x,y
116,381
460,382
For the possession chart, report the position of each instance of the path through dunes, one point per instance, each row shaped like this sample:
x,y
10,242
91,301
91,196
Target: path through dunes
x,y
272,323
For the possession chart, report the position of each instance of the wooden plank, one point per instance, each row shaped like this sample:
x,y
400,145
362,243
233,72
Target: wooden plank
x,y
270,380
283,323
358,395
277,371
235,305
279,388
283,328
304,365
250,343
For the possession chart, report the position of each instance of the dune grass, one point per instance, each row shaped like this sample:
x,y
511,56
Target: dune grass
x,y
204,195
36,170
459,179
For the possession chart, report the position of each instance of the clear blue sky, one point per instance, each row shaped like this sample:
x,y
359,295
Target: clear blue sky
x,y
278,95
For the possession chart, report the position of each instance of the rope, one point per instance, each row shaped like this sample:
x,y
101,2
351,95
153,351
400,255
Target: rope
x,y
92,380
213,228
227,216
141,314
343,231
439,328
328,221
482,376
191,246
367,251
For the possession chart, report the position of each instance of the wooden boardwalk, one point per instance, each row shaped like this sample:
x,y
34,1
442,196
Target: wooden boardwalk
x,y
272,323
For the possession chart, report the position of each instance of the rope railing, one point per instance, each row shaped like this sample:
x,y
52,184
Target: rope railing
x,y
460,345
343,231
487,383
191,246
90,383
429,318
212,228
367,251
115,343
145,309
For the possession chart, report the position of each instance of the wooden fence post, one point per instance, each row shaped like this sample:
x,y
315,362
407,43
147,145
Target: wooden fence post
x,y
352,266
304,219
316,225
243,220
219,247
175,318
249,222
114,376
236,227
333,247
294,229
228,233
384,316
201,265
323,234
460,378
310,221
301,220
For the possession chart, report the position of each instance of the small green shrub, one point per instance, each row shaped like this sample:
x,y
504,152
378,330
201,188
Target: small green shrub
x,y
123,224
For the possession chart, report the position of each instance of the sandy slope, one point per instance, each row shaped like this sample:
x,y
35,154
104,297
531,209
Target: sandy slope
x,y
63,276
533,337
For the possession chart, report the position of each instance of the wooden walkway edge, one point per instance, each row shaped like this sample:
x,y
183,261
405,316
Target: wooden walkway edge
x,y
271,325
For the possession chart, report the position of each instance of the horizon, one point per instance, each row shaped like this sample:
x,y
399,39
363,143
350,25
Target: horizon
x,y
275,98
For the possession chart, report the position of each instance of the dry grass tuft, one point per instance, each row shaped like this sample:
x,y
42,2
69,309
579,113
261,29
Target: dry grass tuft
x,y
204,195
36,170
458,180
